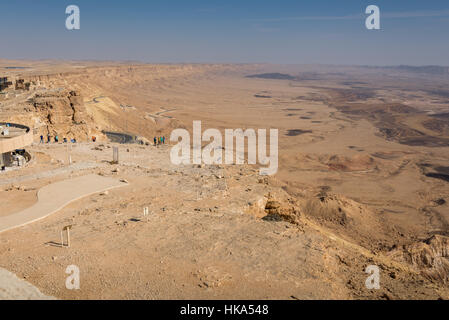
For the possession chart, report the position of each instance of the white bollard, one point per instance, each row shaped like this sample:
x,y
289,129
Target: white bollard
x,y
115,155
67,230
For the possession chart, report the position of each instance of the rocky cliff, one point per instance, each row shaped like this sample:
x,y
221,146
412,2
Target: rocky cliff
x,y
62,113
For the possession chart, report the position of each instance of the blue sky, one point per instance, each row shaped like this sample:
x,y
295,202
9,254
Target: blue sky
x,y
292,32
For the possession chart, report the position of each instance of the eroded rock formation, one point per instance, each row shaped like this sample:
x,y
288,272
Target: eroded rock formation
x,y
63,113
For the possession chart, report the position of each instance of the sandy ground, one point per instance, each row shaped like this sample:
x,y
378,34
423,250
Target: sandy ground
x,y
203,238
174,243
15,201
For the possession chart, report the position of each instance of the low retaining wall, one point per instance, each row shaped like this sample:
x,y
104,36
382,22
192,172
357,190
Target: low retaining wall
x,y
19,142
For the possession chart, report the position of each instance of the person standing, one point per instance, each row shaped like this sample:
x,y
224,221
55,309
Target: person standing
x,y
42,139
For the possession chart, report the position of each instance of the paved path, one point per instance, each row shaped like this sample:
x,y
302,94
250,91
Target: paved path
x,y
119,137
12,288
54,197
160,114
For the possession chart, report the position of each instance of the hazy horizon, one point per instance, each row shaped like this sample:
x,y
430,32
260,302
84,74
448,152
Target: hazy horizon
x,y
218,63
282,32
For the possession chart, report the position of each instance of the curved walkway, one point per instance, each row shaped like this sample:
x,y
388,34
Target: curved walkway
x,y
119,137
160,114
56,196
13,288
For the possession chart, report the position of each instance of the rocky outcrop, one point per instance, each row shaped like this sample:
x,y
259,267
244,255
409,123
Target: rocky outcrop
x,y
63,113
429,257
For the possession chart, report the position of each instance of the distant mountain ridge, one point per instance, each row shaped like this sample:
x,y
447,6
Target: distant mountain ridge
x,y
436,70
276,76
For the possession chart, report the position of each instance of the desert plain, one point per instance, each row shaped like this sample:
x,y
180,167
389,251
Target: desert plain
x,y
362,181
